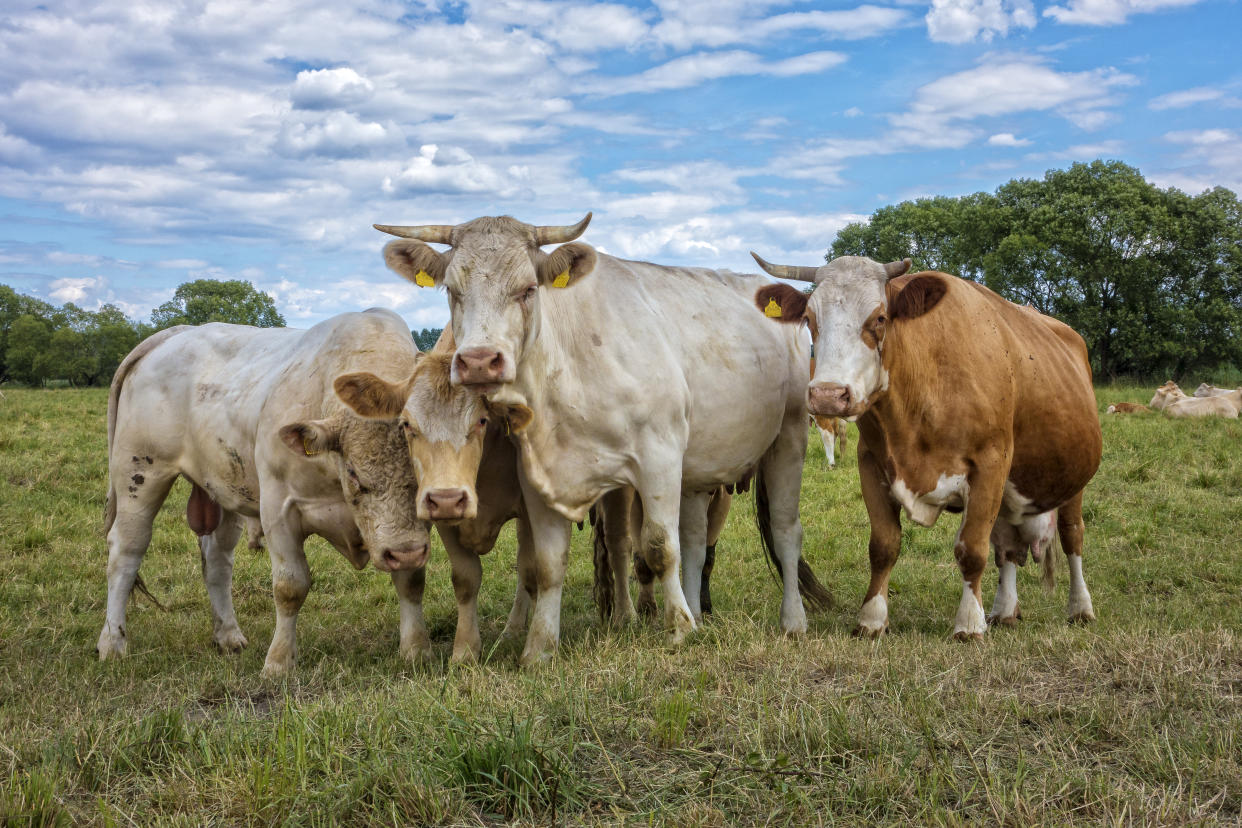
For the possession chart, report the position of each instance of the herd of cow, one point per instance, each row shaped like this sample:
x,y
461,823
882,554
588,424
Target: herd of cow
x,y
571,379
1208,401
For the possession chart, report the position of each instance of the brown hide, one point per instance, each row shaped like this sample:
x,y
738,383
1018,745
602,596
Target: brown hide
x,y
976,378
202,512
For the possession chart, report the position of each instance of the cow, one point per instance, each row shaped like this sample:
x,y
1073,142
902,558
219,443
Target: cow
x,y
248,416
1165,394
1128,408
623,367
832,431
964,401
1205,390
1226,405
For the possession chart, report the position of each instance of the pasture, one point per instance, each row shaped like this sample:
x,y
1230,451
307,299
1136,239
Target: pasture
x,y
1132,720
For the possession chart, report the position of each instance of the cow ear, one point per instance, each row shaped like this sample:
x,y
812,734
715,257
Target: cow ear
x,y
311,437
781,302
917,296
566,264
415,261
516,415
371,397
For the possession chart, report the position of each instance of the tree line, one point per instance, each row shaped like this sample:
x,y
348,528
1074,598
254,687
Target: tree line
x,y
1151,277
41,343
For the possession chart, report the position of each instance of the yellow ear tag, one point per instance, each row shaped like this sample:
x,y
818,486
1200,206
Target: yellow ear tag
x,y
773,310
562,280
423,279
306,447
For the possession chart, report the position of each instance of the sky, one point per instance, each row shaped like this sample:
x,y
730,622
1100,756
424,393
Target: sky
x,y
146,143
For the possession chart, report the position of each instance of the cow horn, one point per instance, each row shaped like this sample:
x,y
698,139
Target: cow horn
x,y
437,233
559,234
801,273
895,269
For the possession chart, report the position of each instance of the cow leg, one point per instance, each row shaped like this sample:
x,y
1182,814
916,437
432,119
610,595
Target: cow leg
x,y
882,548
717,514
692,529
216,553
1071,529
986,487
550,532
1006,541
415,643
523,595
291,582
646,605
618,534
662,542
829,438
781,467
128,540
467,576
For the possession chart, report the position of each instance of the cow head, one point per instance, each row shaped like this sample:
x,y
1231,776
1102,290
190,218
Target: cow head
x,y
849,312
377,482
494,272
1166,394
444,427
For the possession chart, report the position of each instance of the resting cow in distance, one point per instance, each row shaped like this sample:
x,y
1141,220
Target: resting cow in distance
x,y
964,401
248,416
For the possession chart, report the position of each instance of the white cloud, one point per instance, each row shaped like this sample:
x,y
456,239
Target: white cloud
x,y
694,69
330,88
336,133
1007,139
963,21
73,290
1208,158
1108,12
852,112
1081,152
686,24
451,170
1185,97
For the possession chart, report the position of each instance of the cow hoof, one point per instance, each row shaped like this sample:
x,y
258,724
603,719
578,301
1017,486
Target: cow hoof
x,y
793,624
621,620
646,608
419,653
231,641
536,659
1083,617
680,625
966,636
864,631
1008,621
464,656
111,646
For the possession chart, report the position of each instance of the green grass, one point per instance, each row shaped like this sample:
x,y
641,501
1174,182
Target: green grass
x,y
1135,719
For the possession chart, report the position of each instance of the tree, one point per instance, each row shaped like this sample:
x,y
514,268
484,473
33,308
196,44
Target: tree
x,y
426,338
65,356
209,300
28,338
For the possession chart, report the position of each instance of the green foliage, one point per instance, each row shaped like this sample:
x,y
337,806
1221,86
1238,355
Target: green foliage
x,y
426,338
1151,278
209,300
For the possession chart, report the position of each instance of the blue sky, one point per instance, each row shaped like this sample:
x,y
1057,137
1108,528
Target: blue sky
x,y
144,144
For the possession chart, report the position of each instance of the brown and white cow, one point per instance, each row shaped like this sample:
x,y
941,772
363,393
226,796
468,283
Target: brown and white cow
x,y
964,401
249,417
1225,405
622,364
1165,394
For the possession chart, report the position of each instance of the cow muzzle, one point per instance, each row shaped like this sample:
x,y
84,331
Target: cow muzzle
x,y
447,504
480,366
829,399
405,556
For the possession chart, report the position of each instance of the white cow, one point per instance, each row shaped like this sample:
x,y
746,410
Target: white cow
x,y
249,417
1205,390
631,384
1224,405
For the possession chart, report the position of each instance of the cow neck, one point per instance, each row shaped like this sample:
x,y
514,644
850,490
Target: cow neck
x,y
546,383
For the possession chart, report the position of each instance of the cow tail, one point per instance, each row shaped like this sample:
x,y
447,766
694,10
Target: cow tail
x,y
1049,571
603,566
814,593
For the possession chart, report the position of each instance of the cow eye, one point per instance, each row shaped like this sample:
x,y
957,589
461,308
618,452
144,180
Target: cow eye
x,y
528,293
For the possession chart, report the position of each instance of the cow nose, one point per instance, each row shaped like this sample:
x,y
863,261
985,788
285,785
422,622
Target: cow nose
x,y
446,504
828,399
406,556
478,366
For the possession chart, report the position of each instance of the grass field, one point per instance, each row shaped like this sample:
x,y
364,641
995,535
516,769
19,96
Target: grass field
x,y
1133,720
